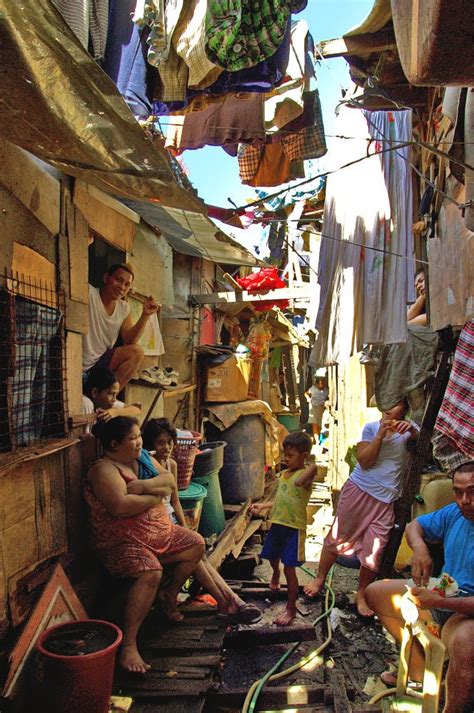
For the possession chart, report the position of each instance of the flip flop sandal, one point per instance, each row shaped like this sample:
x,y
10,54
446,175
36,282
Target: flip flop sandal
x,y
245,614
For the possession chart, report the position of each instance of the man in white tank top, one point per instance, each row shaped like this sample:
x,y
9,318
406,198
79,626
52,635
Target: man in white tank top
x,y
109,318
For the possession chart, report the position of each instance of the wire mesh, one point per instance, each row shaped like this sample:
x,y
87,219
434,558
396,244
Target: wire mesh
x,y
32,361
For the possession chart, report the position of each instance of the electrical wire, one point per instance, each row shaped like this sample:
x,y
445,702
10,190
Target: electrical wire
x,y
271,675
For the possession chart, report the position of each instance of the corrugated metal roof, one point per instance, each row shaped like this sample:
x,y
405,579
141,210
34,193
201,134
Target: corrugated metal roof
x,y
192,233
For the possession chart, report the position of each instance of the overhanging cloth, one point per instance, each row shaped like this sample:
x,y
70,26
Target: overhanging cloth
x,y
58,103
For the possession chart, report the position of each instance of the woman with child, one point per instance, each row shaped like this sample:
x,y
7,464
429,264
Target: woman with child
x,y
132,531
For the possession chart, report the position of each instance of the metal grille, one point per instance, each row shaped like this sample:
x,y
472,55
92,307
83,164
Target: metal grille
x,y
32,361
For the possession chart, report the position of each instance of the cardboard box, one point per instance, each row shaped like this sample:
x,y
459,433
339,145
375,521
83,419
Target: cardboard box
x,y
228,381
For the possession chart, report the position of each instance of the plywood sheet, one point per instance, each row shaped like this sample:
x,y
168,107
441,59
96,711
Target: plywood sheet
x,y
112,225
24,176
451,265
78,236
74,372
39,274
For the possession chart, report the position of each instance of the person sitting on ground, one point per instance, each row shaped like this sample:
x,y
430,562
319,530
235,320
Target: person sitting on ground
x,y
286,538
364,516
160,436
417,311
102,389
317,395
133,533
109,318
453,526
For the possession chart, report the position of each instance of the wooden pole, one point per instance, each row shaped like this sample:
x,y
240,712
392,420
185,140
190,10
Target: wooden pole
x,y
416,462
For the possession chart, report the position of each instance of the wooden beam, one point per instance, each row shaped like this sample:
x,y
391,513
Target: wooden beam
x,y
266,635
301,292
295,695
358,45
232,534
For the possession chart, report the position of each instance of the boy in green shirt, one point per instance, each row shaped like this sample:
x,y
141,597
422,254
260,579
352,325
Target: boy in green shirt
x,y
286,538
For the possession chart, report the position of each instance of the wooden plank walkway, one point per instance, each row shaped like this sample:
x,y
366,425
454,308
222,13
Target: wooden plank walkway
x,y
184,659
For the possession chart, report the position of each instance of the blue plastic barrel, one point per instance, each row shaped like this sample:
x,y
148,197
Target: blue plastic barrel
x,y
243,474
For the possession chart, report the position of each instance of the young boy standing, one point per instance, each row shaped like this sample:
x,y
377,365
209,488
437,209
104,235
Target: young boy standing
x,y
286,538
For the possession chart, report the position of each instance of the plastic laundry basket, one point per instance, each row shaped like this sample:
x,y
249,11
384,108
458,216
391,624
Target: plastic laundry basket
x,y
78,660
184,454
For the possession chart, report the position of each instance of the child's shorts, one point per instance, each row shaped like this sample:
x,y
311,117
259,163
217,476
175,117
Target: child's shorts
x,y
285,543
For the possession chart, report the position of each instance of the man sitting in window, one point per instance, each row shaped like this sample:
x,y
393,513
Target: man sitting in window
x,y
109,318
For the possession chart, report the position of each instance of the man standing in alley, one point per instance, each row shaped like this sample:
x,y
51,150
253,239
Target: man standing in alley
x,y
109,318
453,526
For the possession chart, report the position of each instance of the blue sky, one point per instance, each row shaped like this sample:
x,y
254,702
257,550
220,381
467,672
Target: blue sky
x,y
213,172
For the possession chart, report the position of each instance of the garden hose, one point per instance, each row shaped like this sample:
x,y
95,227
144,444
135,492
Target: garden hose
x,y
256,688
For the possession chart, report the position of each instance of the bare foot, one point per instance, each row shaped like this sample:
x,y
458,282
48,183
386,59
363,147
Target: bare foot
x,y
314,587
169,606
131,661
275,582
286,618
361,604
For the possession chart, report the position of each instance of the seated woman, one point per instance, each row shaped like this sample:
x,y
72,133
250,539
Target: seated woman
x,y
133,533
160,436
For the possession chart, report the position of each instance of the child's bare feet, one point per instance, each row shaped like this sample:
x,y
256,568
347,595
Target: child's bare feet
x,y
314,587
361,604
286,617
131,661
275,582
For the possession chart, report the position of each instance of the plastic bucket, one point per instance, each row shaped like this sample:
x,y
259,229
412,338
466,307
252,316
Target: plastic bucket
x,y
212,516
78,660
191,501
291,421
209,459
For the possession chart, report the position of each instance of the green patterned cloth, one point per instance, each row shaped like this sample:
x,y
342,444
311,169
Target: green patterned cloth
x,y
242,33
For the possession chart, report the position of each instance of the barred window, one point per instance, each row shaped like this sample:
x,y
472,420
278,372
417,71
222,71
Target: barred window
x,y
32,362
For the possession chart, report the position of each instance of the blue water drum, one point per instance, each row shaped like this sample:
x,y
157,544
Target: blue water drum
x,y
243,474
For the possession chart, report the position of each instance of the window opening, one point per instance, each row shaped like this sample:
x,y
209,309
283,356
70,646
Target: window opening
x,y
32,361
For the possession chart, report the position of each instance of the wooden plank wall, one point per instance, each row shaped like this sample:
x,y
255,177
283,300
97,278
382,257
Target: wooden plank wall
x,y
347,389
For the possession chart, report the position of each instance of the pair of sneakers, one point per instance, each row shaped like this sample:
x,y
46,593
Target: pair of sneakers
x,y
160,376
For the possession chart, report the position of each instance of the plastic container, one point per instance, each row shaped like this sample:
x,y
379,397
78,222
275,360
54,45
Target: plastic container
x,y
184,454
212,516
243,474
191,501
291,421
78,660
209,459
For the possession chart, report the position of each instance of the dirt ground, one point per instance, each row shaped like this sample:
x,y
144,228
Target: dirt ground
x,y
359,648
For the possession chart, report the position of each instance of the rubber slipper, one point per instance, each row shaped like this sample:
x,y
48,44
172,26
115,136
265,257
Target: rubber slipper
x,y
245,614
389,678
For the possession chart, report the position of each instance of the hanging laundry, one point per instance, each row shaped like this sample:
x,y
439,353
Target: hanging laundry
x,y
151,13
359,302
261,78
236,118
242,33
187,64
125,59
87,19
271,165
286,102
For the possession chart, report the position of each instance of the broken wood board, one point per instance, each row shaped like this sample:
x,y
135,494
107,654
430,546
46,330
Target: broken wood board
x,y
251,529
291,695
266,635
233,532
57,604
340,699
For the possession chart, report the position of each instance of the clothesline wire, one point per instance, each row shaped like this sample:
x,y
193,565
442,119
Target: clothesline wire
x,y
349,243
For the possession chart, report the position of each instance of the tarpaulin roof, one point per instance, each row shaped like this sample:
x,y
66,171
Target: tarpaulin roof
x,y
192,233
58,103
